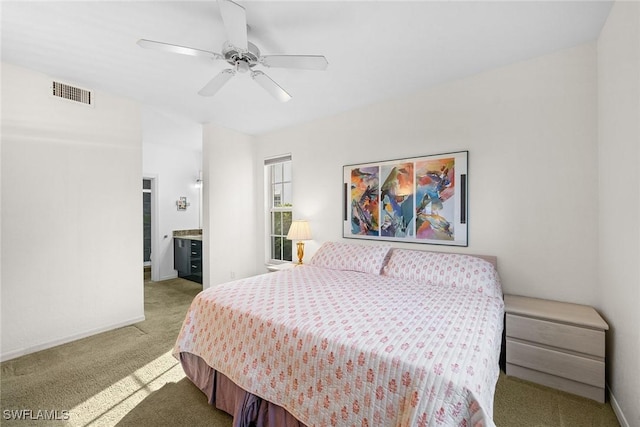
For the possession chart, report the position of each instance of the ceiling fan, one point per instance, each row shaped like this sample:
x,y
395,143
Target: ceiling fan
x,y
243,55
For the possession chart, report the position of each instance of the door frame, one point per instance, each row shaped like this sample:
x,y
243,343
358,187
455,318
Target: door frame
x,y
155,238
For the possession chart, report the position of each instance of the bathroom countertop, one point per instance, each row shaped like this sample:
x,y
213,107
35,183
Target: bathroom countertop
x,y
189,237
194,234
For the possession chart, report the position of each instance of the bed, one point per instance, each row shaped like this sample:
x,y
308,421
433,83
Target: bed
x,y
364,335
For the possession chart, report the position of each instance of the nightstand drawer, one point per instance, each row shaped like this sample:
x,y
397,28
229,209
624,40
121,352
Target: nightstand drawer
x,y
575,387
574,338
566,365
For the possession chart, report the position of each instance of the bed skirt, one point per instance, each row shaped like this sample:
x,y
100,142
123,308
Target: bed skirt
x,y
247,409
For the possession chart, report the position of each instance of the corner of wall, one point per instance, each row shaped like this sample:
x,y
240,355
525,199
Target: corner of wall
x,y
618,150
229,226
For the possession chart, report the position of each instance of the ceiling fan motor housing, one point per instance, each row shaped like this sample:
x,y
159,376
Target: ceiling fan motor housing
x,y
242,60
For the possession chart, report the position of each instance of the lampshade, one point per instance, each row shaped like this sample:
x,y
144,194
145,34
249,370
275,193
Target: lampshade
x,y
299,230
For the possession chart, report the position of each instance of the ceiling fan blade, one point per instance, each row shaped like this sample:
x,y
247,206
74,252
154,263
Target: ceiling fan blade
x,y
270,86
303,62
174,48
234,17
216,83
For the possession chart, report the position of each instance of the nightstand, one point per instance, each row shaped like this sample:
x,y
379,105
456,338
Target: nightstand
x,y
557,344
280,267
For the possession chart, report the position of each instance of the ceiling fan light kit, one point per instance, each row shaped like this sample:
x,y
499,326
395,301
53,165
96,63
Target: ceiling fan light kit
x,y
242,55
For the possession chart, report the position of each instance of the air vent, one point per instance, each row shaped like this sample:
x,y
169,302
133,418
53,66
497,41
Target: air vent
x,y
71,93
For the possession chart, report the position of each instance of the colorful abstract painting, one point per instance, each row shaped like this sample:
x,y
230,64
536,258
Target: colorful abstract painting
x,y
435,204
396,195
365,183
415,200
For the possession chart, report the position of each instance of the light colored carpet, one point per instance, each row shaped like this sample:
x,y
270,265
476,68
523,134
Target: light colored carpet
x,y
525,404
128,377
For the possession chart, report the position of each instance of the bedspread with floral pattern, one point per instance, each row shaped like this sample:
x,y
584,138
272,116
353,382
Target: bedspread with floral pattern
x,y
344,348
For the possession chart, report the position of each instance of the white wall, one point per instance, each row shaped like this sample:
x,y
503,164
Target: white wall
x,y
531,132
172,156
231,215
71,214
553,143
619,203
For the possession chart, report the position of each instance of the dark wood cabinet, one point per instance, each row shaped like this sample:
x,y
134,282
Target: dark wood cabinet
x,y
187,258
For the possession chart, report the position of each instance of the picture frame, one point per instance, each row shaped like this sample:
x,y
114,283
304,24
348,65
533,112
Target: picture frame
x,y
182,203
412,200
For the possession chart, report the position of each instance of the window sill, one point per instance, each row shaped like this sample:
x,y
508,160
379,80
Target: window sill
x,y
280,267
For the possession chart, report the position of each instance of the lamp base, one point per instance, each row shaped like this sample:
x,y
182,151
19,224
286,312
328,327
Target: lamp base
x,y
300,251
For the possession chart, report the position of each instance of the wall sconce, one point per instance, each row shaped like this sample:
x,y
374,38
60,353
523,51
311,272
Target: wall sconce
x,y
299,231
198,183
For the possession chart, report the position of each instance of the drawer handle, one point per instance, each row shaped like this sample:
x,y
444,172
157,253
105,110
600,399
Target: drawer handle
x,y
194,253
194,266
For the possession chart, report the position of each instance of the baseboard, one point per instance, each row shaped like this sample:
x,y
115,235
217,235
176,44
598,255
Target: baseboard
x,y
21,352
168,277
617,410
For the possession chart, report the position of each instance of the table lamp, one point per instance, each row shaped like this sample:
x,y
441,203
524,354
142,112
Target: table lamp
x,y
299,231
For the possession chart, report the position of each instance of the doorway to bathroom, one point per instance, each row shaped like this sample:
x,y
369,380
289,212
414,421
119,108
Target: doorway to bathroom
x,y
146,226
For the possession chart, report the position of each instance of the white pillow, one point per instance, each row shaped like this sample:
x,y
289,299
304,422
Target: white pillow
x,y
345,256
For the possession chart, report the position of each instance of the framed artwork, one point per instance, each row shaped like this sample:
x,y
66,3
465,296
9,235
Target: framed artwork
x,y
414,200
182,203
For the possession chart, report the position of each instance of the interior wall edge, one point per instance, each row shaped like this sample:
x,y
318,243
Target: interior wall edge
x,y
64,340
617,409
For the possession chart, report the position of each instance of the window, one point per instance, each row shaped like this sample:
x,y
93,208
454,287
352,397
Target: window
x,y
280,207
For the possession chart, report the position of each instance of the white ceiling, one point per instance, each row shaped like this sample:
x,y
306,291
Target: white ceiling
x,y
376,49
